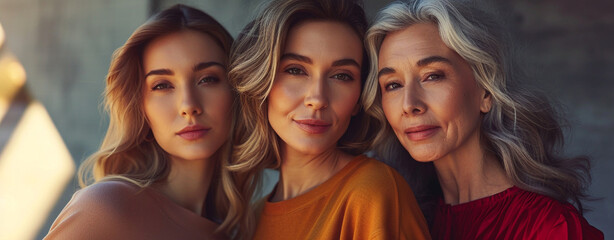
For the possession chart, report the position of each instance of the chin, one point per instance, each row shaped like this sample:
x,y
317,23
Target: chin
x,y
421,152
423,155
191,155
311,149
422,160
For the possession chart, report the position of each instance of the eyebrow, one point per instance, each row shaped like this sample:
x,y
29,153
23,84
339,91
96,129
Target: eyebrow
x,y
385,71
426,61
421,63
346,62
159,72
301,58
197,67
294,56
204,65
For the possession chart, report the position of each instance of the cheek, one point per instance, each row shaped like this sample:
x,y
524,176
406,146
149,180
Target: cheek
x,y
458,108
159,111
345,98
392,107
284,96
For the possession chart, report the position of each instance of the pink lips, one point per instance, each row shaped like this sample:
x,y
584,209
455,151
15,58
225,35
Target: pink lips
x,y
193,132
421,132
313,126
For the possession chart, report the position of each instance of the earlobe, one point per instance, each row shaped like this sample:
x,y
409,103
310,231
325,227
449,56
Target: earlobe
x,y
486,102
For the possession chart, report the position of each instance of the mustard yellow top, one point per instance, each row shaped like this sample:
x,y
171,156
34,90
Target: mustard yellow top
x,y
122,210
365,200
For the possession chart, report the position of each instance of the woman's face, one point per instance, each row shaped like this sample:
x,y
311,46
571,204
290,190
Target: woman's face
x,y
429,94
316,87
187,99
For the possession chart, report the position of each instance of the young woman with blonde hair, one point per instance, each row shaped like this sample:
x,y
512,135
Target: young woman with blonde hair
x,y
442,78
299,68
159,171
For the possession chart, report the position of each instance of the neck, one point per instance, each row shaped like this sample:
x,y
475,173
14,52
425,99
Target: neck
x,y
300,173
188,183
470,173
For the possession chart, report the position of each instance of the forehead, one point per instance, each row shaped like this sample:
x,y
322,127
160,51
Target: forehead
x,y
182,47
324,36
413,43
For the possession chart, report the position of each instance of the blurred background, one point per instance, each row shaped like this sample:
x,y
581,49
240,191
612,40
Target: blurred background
x,y
54,56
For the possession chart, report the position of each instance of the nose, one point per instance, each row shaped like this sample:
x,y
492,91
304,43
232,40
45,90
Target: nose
x,y
412,101
190,104
316,97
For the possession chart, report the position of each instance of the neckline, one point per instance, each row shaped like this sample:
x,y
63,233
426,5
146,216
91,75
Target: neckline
x,y
322,190
481,201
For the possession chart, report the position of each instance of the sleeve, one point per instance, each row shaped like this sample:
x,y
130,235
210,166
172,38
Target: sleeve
x,y
384,207
92,213
571,225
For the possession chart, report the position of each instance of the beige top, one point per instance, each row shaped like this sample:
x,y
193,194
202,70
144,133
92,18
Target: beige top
x,y
121,210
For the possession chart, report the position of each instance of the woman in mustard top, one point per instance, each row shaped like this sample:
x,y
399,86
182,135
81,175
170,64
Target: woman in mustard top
x,y
299,68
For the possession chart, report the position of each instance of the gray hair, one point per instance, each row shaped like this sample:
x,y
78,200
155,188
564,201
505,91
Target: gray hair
x,y
522,128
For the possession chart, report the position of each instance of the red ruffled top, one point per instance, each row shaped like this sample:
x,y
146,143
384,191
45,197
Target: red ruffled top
x,y
512,214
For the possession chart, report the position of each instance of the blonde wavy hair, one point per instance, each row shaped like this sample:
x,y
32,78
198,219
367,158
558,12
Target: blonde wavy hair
x,y
253,63
522,128
128,151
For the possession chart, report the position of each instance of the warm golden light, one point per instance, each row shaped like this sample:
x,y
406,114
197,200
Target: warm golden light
x,y
1,35
4,106
12,79
35,166
15,72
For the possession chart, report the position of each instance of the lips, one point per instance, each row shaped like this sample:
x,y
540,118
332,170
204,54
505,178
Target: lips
x,y
193,132
421,132
313,126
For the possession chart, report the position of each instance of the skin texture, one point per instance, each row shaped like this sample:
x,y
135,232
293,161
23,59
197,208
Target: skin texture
x,y
186,86
435,106
318,80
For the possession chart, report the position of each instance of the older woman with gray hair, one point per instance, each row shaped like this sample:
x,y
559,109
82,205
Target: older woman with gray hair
x,y
443,79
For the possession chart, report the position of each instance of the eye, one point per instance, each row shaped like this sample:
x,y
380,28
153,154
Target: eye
x,y
392,86
343,77
161,86
434,77
208,80
295,71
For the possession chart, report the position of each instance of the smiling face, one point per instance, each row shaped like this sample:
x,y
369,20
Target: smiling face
x,y
316,87
187,99
429,94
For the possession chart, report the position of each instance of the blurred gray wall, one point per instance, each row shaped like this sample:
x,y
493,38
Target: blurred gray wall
x,y
567,47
